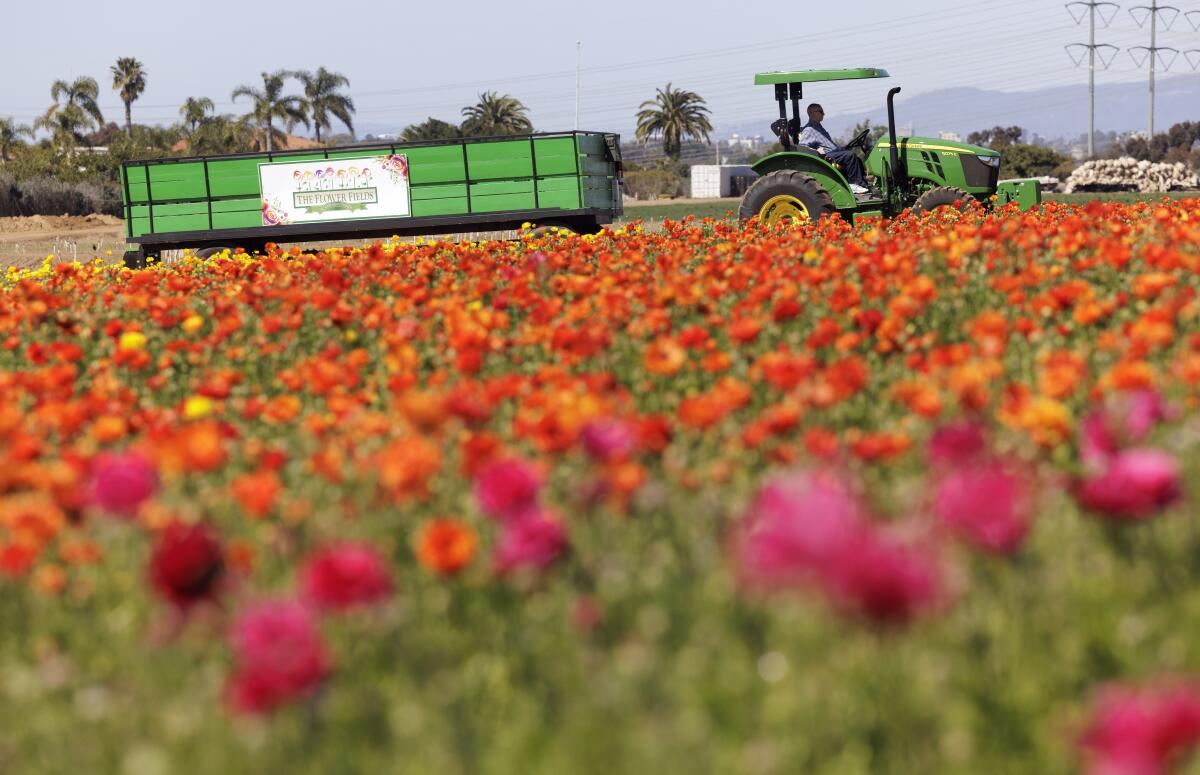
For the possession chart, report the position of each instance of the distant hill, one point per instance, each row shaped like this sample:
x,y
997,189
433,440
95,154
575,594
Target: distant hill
x,y
1060,111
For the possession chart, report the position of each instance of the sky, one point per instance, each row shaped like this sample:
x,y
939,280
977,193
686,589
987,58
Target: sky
x,y
407,61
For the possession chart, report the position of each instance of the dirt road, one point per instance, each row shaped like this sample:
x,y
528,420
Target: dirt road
x,y
27,241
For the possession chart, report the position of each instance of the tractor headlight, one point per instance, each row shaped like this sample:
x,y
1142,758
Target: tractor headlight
x,y
991,161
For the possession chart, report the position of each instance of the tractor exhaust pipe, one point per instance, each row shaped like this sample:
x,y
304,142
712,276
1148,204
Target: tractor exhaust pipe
x,y
896,175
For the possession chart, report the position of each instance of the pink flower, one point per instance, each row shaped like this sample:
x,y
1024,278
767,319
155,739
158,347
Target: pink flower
x,y
506,489
532,541
279,656
343,576
1141,731
986,504
1126,419
799,526
608,440
885,579
1135,484
810,529
957,443
121,481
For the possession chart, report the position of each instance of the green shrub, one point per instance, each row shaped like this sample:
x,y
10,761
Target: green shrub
x,y
46,196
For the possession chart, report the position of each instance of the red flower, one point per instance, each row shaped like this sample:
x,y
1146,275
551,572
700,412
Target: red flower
x,y
279,656
186,564
343,576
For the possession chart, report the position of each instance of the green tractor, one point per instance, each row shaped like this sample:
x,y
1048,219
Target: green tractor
x,y
913,172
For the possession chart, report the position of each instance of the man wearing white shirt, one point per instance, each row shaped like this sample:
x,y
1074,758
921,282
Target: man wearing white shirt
x,y
815,136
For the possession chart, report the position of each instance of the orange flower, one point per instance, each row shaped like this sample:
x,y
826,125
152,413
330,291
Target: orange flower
x,y
664,357
256,492
445,546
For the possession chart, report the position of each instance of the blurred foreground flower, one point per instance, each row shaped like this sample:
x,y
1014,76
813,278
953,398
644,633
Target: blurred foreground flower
x,y
279,656
987,503
186,565
1135,484
120,482
810,529
343,576
1141,730
506,489
533,541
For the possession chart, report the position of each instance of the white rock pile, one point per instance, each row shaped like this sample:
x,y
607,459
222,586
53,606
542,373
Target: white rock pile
x,y
1129,174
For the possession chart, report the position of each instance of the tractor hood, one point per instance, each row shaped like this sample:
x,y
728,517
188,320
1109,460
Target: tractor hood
x,y
933,144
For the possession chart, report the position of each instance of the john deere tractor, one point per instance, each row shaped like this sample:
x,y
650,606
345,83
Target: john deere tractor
x,y
913,172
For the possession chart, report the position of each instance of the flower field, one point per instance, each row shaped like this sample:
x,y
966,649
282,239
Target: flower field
x,y
906,497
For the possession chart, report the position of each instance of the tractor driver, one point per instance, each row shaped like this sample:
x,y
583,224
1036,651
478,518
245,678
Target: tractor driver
x,y
816,137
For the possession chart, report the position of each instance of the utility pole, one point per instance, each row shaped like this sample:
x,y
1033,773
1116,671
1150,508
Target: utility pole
x,y
578,71
1088,9
1152,12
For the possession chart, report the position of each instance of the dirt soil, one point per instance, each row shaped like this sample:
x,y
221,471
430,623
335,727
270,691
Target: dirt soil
x,y
27,241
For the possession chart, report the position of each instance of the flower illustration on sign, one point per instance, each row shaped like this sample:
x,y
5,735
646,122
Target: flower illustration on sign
x,y
273,213
396,166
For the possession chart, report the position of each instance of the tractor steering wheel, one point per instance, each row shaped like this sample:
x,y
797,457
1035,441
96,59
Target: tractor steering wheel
x,y
859,141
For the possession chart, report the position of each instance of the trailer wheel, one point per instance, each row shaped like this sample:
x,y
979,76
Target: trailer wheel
x,y
209,252
786,196
135,259
943,196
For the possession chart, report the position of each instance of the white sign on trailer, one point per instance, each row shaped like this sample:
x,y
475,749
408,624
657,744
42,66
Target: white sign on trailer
x,y
334,189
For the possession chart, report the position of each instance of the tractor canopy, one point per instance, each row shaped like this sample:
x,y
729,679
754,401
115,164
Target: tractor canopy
x,y
813,76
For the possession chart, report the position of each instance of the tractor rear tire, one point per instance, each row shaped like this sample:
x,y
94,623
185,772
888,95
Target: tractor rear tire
x,y
943,196
786,195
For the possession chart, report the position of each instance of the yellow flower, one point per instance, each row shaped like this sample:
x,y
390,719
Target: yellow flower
x,y
193,323
197,407
132,340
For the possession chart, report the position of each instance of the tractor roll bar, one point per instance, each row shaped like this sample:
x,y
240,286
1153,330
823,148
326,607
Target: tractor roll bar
x,y
897,177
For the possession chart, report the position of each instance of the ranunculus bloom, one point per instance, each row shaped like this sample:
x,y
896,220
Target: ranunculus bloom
x,y
533,541
186,564
957,443
986,503
798,527
607,440
279,656
1135,484
342,576
810,529
445,546
886,579
1141,731
506,489
121,481
1126,419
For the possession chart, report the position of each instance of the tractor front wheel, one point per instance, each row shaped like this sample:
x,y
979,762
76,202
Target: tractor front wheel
x,y
943,196
786,196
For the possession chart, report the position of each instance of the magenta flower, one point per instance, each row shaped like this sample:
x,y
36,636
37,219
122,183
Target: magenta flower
x,y
985,503
957,444
1141,731
507,489
279,656
1126,419
121,481
533,541
608,440
1135,484
810,530
344,576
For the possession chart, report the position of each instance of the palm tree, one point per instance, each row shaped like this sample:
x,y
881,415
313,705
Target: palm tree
x,y
129,80
323,99
73,111
10,136
674,114
430,129
496,114
271,103
196,110
222,134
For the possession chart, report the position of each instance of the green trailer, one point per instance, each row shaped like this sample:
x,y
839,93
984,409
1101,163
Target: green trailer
x,y
207,203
